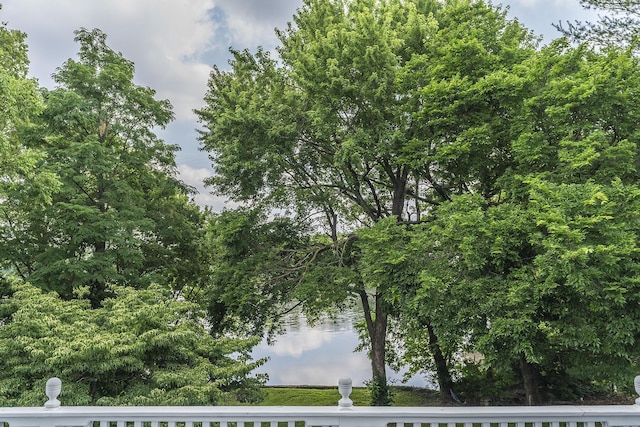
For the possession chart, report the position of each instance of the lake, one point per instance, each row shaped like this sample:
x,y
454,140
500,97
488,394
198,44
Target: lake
x,y
320,354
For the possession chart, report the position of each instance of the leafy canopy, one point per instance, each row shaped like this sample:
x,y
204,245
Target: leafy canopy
x,y
120,215
545,275
373,113
19,163
143,347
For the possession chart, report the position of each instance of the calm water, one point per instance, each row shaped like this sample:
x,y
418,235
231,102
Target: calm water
x,y
320,355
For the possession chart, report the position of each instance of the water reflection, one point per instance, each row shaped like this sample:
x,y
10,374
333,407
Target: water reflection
x,y
320,354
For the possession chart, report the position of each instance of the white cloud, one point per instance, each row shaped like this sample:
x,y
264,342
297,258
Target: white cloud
x,y
206,199
541,15
302,336
527,3
252,22
195,178
164,38
297,343
537,3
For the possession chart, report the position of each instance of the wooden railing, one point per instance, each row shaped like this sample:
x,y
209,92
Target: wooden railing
x,y
342,415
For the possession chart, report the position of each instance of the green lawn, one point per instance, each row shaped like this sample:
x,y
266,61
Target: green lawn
x,y
402,396
307,396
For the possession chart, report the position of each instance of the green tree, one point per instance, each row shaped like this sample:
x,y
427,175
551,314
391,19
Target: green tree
x,y
580,142
143,347
120,216
392,258
332,133
245,251
21,104
543,275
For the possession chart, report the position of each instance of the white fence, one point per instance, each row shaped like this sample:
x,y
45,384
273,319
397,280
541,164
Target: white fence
x,y
342,415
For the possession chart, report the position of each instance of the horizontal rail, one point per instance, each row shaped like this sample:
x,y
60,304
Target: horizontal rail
x,y
343,415
257,416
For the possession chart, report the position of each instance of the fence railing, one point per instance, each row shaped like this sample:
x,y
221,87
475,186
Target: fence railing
x,y
342,415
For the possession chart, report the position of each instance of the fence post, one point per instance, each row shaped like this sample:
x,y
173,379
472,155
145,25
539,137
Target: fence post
x,y
345,388
53,388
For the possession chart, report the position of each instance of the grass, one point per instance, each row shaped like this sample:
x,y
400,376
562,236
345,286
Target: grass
x,y
402,396
309,396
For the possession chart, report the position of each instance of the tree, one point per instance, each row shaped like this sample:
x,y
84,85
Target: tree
x,y
120,216
21,104
543,276
391,253
143,347
330,133
583,148
619,25
244,247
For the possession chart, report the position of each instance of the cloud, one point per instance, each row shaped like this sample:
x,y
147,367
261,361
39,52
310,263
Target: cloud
x,y
301,336
215,203
316,355
527,3
195,177
535,3
541,15
166,39
319,356
252,23
296,343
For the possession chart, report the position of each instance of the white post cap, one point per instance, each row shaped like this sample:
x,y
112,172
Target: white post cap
x,y
53,388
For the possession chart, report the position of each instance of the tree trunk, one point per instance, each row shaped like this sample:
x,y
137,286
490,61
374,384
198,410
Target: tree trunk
x,y
442,370
97,287
529,373
377,330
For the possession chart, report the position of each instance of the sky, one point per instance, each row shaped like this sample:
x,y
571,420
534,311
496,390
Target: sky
x,y
175,43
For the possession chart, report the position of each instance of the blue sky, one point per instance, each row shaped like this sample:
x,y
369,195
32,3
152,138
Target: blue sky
x,y
174,43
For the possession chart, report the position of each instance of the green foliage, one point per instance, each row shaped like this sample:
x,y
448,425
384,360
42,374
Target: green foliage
x,y
253,280
477,194
143,347
19,164
555,282
374,112
478,385
380,391
120,215
21,100
580,115
526,267
549,274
